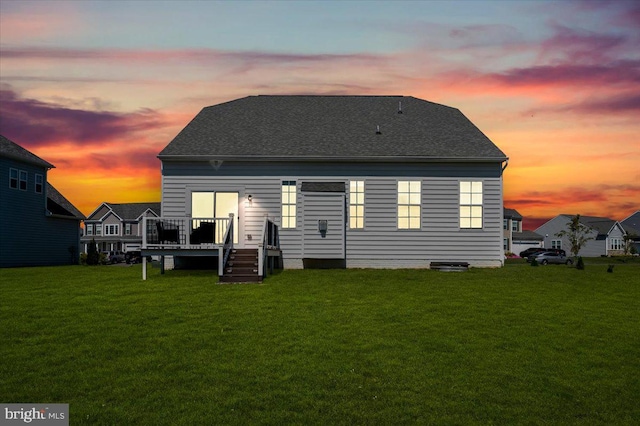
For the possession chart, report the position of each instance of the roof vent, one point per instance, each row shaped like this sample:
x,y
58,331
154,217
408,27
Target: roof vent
x,y
399,107
378,132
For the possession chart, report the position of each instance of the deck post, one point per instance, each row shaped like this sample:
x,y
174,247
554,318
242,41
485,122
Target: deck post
x,y
144,268
161,265
220,261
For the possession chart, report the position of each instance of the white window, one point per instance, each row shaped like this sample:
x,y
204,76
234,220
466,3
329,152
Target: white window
x,y
23,180
112,230
515,225
615,244
39,184
470,204
98,229
356,204
556,244
505,224
127,229
289,204
13,178
409,199
505,244
88,229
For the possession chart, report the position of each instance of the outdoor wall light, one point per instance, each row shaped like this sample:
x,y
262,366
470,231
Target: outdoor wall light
x,y
249,198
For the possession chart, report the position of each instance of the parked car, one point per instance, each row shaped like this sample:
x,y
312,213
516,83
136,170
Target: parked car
x,y
133,256
533,250
550,257
114,256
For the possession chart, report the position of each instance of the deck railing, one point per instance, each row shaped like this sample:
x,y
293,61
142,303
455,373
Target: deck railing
x,y
185,232
270,242
227,247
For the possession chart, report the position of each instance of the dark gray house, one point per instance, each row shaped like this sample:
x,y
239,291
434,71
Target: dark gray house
x,y
631,226
38,225
117,226
355,181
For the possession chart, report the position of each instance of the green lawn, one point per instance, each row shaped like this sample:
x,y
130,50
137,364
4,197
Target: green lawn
x,y
516,345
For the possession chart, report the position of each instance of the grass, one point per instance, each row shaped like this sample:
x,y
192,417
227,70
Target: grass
x,y
516,345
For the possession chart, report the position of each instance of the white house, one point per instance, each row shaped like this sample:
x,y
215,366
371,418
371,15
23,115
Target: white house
x,y
350,181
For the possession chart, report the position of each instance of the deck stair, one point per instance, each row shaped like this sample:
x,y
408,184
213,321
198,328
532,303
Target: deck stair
x,y
241,267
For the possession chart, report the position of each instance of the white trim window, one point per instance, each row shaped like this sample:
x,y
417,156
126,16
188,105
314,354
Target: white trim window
x,y
39,184
127,229
289,199
515,225
98,229
356,204
23,180
111,229
13,178
556,244
88,229
409,201
615,244
471,207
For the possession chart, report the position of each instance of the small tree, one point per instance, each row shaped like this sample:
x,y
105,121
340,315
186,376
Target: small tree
x,y
628,243
93,257
577,233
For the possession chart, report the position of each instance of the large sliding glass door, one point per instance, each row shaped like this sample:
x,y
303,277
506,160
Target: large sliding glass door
x,y
206,204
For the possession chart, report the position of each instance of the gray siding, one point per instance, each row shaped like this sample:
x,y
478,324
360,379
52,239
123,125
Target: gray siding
x,y
329,207
28,237
380,243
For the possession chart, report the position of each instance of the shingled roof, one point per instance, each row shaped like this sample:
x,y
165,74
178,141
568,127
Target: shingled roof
x,y
12,150
57,204
386,128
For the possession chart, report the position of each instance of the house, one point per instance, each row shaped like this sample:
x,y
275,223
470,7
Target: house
x,y
117,227
349,181
607,235
631,226
39,226
516,239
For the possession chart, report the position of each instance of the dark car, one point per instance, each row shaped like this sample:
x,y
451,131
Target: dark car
x,y
533,250
114,256
546,257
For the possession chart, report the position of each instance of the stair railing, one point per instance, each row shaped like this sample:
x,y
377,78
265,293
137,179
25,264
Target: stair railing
x,y
270,241
227,246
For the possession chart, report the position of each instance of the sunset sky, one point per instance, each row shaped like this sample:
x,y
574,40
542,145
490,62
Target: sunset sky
x,y
99,88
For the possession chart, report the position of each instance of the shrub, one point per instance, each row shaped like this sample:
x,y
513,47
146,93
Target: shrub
x,y
93,257
610,269
534,262
83,259
580,264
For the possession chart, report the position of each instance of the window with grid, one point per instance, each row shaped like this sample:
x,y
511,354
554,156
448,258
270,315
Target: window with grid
x,y
471,204
615,244
556,244
127,229
356,204
88,229
39,184
289,204
23,180
13,178
98,229
111,230
409,195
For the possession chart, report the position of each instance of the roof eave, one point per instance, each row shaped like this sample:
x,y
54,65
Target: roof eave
x,y
308,158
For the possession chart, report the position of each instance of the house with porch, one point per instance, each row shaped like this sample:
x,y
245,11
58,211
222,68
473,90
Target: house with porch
x,y
117,226
516,240
341,181
38,225
606,235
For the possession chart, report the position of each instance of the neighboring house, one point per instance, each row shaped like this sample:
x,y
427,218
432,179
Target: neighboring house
x,y
117,227
38,225
515,238
631,226
351,181
606,235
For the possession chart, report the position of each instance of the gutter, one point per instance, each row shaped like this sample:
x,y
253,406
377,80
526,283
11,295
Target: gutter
x,y
378,159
